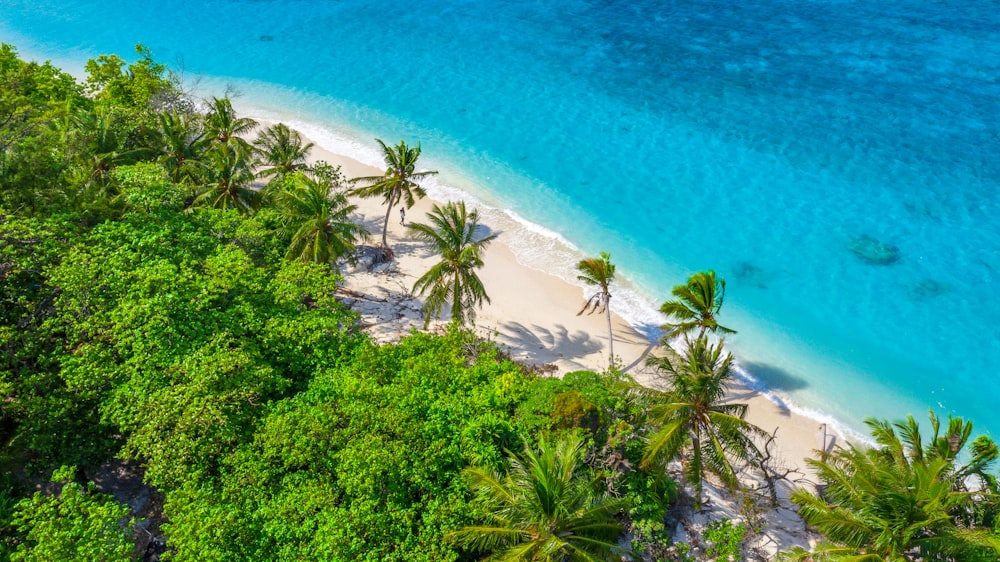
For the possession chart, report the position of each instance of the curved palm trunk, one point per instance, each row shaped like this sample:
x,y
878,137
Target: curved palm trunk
x,y
385,225
611,338
456,304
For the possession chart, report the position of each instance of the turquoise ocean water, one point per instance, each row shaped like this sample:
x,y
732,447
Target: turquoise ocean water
x,y
761,139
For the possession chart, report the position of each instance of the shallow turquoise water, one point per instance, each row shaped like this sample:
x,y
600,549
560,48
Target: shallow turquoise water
x,y
760,140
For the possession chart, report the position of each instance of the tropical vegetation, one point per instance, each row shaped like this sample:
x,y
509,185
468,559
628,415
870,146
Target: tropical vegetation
x,y
905,499
694,421
453,234
695,306
600,272
399,183
180,378
547,507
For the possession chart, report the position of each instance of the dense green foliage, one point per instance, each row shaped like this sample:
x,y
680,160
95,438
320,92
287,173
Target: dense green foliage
x,y
906,499
695,419
160,304
76,524
547,507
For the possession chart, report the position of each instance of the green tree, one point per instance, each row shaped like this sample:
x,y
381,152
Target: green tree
x,y
144,85
76,524
695,423
223,126
225,183
904,499
318,220
180,146
696,306
452,280
399,181
545,508
101,148
280,151
600,272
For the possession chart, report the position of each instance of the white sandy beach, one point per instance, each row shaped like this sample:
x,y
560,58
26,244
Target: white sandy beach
x,y
534,314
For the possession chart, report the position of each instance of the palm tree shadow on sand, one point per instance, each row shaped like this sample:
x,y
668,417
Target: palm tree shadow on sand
x,y
542,345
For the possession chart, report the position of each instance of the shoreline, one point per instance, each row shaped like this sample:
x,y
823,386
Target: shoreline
x,y
533,312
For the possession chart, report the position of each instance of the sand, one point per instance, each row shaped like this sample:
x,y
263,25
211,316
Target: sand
x,y
533,314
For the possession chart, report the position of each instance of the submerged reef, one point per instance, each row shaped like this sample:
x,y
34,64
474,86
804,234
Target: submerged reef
x,y
874,252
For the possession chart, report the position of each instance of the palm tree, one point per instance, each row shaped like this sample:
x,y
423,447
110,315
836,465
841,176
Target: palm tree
x,y
318,220
222,125
398,182
181,147
545,508
903,500
696,305
694,421
280,151
225,183
102,148
601,272
453,279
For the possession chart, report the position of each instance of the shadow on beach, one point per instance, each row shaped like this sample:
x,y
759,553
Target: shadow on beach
x,y
544,345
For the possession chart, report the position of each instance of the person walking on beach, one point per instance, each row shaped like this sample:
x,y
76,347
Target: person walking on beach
x,y
402,216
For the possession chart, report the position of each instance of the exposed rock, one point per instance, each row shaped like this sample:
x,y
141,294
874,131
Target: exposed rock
x,y
874,252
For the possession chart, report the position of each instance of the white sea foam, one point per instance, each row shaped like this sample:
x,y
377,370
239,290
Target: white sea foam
x,y
533,245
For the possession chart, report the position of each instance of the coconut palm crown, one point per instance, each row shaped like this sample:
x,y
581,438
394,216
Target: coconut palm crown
x,y
223,126
695,423
696,305
599,272
903,499
545,508
280,151
398,183
452,234
318,220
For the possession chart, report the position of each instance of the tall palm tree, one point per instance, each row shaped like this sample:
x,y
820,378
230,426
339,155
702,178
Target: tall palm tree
x,y
223,126
453,279
225,183
600,272
545,508
181,146
695,423
280,151
903,500
697,303
318,220
398,182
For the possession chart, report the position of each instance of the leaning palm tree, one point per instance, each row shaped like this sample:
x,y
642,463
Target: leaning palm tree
x,y
453,279
398,182
696,424
903,500
222,125
696,305
318,220
280,151
600,272
546,507
225,184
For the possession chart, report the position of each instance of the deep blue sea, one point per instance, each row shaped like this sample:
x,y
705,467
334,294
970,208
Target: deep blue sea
x,y
760,138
